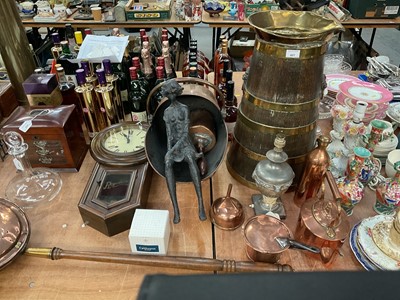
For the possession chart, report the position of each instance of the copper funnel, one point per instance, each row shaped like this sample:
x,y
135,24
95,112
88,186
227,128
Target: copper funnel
x,y
227,213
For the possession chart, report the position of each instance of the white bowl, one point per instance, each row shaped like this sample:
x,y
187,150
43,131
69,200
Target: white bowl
x,y
393,157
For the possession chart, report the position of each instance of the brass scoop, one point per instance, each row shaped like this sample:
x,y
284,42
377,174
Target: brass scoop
x,y
285,243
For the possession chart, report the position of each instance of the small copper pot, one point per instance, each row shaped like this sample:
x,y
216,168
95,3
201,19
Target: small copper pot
x,y
260,233
226,212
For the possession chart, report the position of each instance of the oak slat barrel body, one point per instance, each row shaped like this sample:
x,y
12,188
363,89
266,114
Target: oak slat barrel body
x,y
281,95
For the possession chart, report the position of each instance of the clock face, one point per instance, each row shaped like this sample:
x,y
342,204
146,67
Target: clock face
x,y
120,144
125,140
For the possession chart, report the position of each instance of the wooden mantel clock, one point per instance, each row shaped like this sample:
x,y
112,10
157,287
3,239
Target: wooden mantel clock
x,y
120,180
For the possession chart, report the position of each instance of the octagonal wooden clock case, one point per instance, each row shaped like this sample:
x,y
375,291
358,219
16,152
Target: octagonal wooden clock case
x,y
120,180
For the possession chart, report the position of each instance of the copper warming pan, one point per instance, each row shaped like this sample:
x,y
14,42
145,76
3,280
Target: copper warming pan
x,y
15,233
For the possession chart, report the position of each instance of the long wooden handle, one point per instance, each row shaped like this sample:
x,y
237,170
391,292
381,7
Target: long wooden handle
x,y
178,262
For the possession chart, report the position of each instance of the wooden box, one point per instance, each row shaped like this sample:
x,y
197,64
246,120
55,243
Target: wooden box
x,y
42,89
381,9
112,195
256,6
55,138
148,10
8,100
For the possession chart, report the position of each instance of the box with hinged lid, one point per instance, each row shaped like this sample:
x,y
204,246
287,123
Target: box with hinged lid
x,y
55,138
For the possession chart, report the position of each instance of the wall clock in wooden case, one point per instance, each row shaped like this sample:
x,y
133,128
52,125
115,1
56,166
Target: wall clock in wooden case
x,y
120,180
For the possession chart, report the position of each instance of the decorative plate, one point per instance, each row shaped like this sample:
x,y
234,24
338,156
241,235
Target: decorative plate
x,y
393,112
362,259
365,91
381,237
370,249
334,80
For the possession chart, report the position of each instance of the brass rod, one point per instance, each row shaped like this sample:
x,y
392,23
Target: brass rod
x,y
177,262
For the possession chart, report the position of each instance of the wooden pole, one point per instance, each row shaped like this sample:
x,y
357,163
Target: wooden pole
x,y
177,262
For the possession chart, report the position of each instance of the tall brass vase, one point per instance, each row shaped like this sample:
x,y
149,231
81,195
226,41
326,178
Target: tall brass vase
x,y
283,90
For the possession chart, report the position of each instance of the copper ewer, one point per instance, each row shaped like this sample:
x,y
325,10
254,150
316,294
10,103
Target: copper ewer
x,y
322,223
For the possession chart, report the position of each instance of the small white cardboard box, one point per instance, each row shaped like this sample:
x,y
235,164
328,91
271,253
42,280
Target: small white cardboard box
x,y
149,233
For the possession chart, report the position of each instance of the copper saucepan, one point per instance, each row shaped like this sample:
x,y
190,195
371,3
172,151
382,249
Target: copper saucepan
x,y
267,238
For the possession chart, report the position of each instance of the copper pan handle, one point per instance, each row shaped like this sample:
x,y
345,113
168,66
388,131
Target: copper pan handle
x,y
333,186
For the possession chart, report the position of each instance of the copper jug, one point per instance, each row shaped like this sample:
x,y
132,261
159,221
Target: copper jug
x,y
322,223
317,163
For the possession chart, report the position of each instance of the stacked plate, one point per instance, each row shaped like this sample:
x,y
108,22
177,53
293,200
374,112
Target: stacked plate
x,y
377,97
393,112
332,81
363,242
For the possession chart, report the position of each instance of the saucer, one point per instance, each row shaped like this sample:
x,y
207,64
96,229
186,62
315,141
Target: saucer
x,y
368,246
381,237
362,259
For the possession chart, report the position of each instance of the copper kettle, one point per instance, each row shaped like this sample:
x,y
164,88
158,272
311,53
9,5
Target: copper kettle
x,y
322,223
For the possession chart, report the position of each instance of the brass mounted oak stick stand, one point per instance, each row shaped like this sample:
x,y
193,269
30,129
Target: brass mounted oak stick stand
x,y
177,262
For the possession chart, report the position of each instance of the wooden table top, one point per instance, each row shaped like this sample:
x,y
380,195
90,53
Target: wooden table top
x,y
59,224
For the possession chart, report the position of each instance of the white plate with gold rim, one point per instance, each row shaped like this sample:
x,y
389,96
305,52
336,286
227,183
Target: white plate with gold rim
x,y
370,249
381,237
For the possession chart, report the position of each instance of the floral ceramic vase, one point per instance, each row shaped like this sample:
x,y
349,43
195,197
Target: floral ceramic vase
x,y
376,134
355,128
372,166
340,114
338,154
350,188
388,194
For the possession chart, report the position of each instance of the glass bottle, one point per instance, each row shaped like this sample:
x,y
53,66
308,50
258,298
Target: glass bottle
x,y
161,63
137,97
91,78
169,67
350,188
317,163
104,97
31,186
157,97
222,85
231,110
148,68
56,50
87,31
78,41
64,59
142,79
68,94
92,115
69,35
112,79
220,62
214,61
